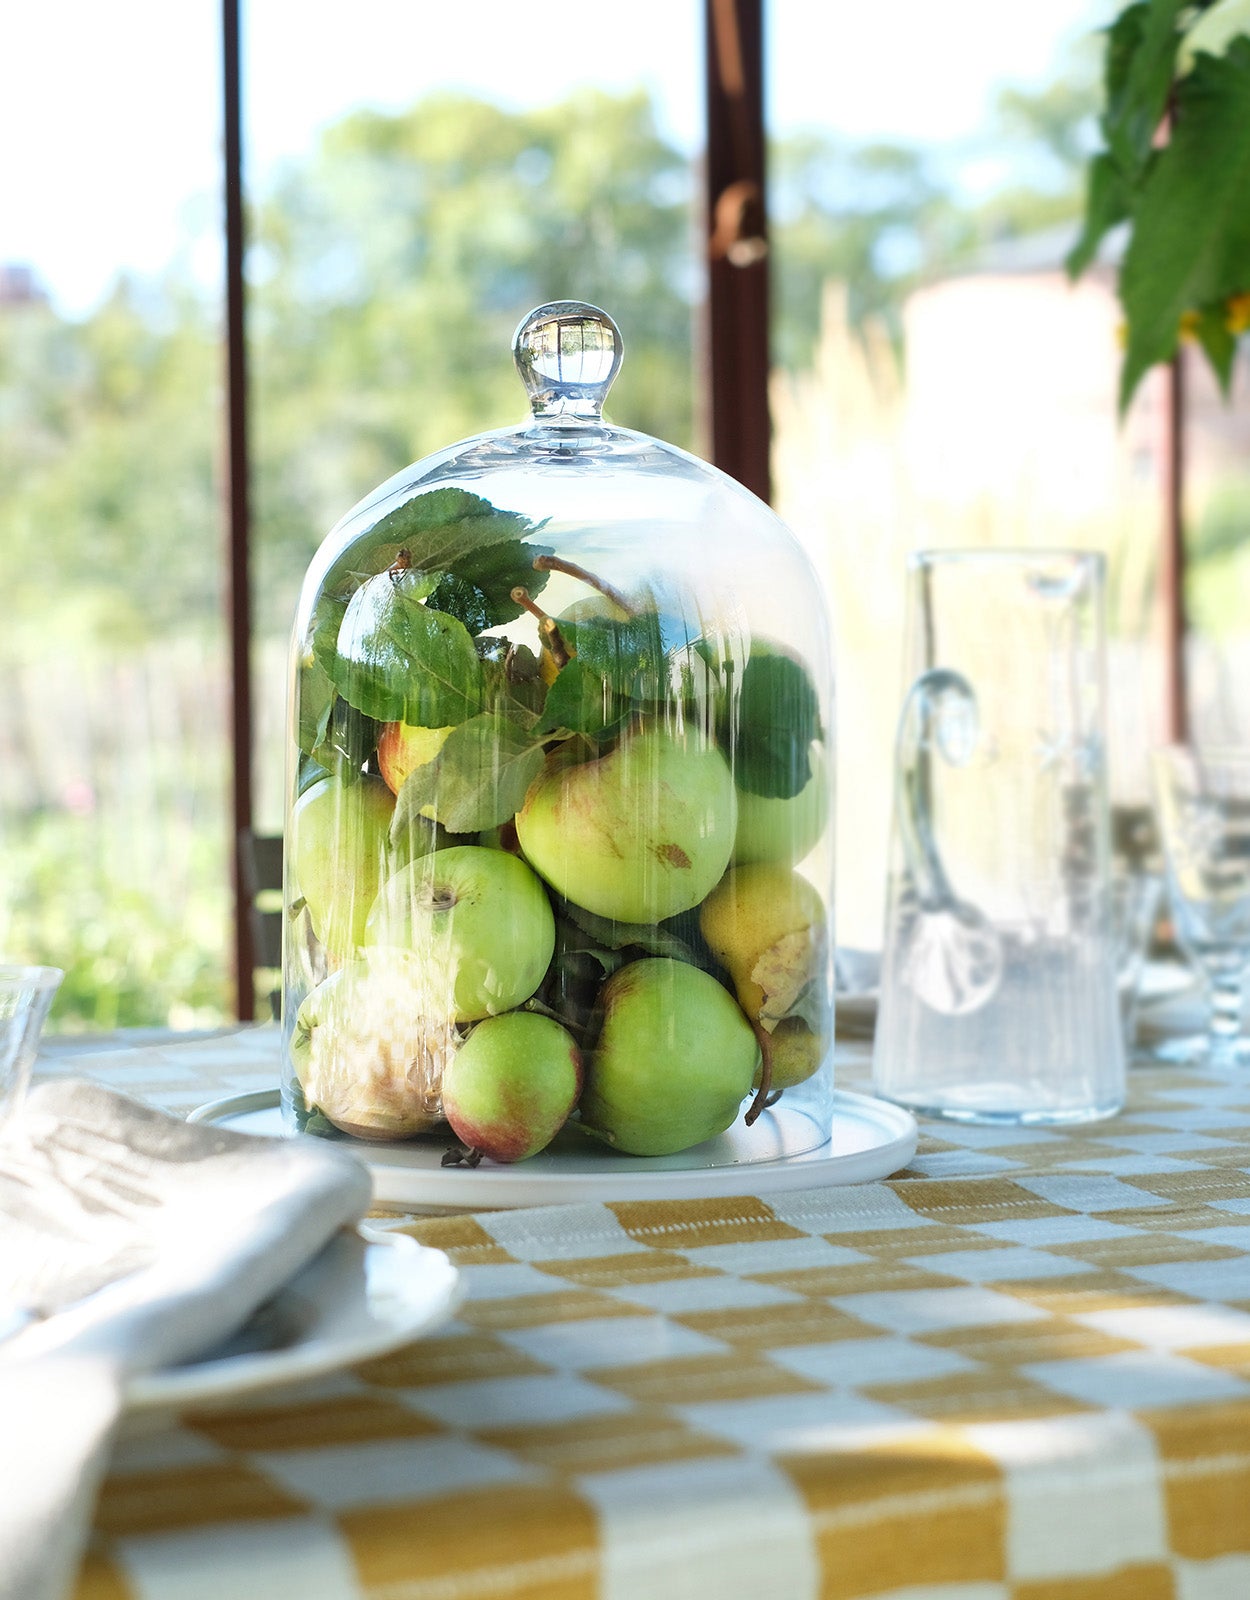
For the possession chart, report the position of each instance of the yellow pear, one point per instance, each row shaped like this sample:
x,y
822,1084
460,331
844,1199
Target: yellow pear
x,y
766,926
797,1053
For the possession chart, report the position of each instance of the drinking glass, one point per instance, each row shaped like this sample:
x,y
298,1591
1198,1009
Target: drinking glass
x,y
1135,898
1203,801
25,995
998,993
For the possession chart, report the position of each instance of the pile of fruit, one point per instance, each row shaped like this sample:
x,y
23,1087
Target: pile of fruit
x,y
552,889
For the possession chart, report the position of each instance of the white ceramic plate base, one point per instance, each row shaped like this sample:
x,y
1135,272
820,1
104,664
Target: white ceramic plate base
x,y
868,1139
1163,980
366,1293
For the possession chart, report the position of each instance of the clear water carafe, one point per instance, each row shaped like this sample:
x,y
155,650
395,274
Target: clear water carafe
x,y
998,996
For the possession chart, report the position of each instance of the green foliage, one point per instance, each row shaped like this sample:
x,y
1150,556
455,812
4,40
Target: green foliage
x,y
1186,201
398,660
133,957
628,655
478,779
777,719
580,701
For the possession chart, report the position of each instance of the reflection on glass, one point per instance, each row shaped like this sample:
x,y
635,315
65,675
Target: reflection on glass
x,y
1203,802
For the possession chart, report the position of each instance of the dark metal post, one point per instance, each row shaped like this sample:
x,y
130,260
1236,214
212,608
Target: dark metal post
x,y
736,341
1172,552
238,590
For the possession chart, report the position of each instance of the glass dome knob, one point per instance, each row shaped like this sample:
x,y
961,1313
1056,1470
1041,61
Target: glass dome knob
x,y
567,354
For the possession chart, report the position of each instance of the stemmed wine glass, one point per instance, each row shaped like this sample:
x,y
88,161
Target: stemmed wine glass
x,y
1203,802
25,995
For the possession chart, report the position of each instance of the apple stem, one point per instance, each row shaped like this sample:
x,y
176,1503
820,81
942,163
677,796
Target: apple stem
x,y
572,570
762,1100
547,626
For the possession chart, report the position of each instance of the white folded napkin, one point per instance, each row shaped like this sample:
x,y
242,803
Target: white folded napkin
x,y
129,1241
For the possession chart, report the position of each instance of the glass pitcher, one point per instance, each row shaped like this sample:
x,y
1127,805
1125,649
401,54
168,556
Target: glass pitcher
x,y
998,994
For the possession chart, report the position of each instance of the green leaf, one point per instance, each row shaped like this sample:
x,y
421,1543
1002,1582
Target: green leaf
x,y
316,685
1107,202
350,738
1219,343
483,599
473,547
466,556
570,989
1141,62
478,780
580,701
628,656
609,934
1191,233
400,661
310,1119
772,726
316,697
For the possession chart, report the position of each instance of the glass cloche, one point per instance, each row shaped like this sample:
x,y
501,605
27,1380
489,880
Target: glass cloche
x,y
559,847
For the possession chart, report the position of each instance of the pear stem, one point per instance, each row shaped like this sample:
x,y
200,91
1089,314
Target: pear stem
x,y
572,570
547,626
766,1073
461,1155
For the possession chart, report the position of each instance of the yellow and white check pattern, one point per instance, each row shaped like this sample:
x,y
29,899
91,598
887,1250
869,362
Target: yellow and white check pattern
x,y
1019,1371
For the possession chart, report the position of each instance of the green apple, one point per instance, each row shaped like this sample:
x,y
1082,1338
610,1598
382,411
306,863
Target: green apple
x,y
783,831
339,848
510,1087
368,1053
637,835
674,1059
402,748
479,921
766,926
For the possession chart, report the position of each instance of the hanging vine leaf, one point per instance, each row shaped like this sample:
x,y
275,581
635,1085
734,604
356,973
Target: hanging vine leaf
x,y
1190,247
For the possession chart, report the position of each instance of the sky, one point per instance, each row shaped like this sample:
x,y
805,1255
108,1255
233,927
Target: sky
x,y
110,114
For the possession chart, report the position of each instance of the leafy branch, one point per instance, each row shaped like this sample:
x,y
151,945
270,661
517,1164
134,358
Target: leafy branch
x,y
1175,168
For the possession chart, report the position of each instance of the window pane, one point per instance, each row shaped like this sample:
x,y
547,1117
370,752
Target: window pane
x,y
113,756
419,182
937,379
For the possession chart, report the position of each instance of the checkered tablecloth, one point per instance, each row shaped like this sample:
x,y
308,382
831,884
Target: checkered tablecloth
x,y
1019,1371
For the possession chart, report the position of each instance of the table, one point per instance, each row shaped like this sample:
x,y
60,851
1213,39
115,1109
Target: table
x,y
1018,1371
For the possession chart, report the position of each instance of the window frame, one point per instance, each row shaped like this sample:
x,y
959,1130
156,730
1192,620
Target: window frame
x,y
733,361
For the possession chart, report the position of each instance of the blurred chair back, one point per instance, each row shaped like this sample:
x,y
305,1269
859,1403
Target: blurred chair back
x,y
260,855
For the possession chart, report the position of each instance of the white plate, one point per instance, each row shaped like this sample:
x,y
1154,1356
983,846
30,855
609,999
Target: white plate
x,y
366,1293
868,1139
1163,980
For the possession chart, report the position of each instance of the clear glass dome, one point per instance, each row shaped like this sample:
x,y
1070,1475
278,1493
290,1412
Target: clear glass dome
x,y
559,847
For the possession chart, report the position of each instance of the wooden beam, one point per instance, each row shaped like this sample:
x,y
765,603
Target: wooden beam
x,y
736,323
237,507
1172,553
